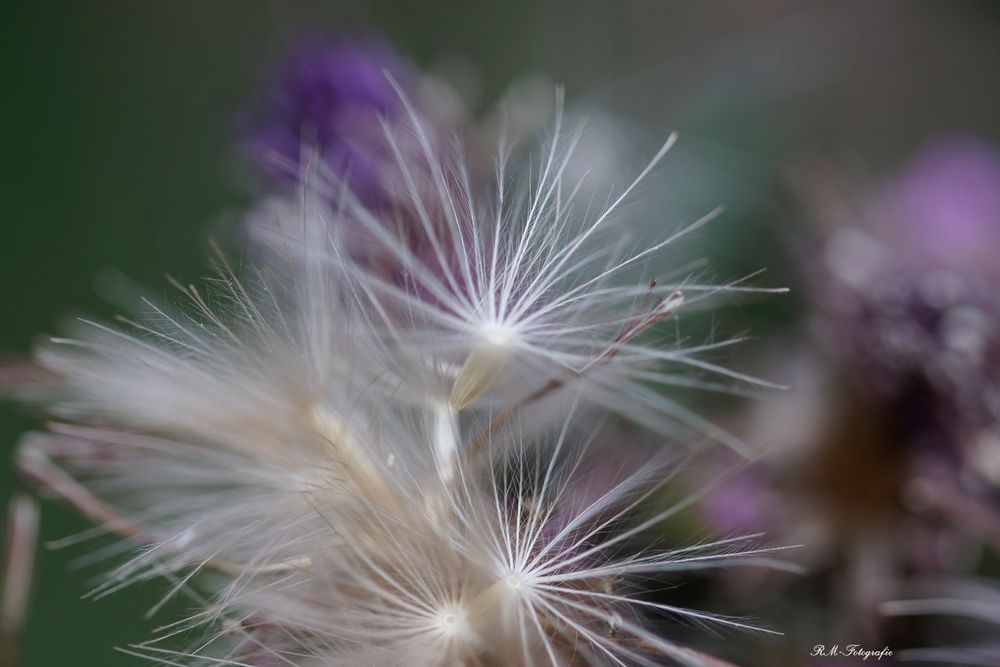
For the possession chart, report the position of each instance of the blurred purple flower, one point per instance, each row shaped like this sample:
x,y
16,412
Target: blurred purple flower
x,y
340,104
911,298
945,205
329,97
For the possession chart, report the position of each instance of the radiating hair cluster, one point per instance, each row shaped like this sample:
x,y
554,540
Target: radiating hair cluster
x,y
389,436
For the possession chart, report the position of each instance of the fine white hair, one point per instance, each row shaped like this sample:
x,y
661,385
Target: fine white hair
x,y
374,436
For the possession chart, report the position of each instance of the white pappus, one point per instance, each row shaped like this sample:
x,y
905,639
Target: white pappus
x,y
338,435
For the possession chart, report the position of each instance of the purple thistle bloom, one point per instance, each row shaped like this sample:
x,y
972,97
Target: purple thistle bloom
x,y
329,98
913,294
341,108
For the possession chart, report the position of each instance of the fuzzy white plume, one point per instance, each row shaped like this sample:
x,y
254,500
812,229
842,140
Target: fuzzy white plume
x,y
340,435
520,291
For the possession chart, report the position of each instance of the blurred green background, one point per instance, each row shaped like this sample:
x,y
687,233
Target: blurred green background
x,y
118,119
